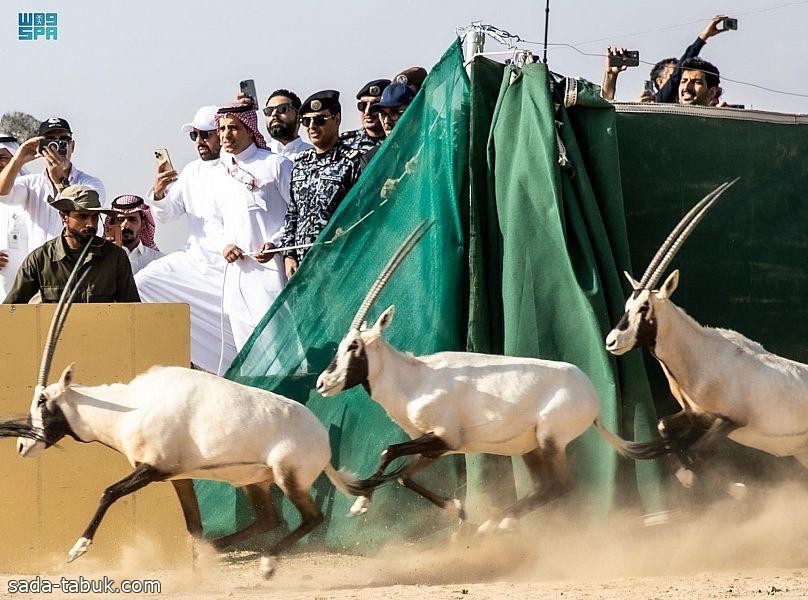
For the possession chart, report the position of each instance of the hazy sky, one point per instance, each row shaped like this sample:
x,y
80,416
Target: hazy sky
x,y
128,74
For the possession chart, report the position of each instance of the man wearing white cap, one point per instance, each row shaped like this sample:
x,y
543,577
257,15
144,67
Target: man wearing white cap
x,y
194,274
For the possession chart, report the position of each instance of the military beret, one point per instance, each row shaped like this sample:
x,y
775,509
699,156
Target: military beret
x,y
413,77
325,99
373,88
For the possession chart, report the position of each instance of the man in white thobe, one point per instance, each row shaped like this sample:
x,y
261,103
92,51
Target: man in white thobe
x,y
15,227
282,114
194,274
251,189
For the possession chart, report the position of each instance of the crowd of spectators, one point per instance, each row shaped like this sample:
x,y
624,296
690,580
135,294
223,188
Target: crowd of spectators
x,y
689,80
254,207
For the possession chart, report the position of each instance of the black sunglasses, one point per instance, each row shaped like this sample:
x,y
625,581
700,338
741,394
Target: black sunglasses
x,y
317,120
61,138
281,109
199,134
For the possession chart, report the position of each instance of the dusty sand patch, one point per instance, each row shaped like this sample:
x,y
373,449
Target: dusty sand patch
x,y
751,549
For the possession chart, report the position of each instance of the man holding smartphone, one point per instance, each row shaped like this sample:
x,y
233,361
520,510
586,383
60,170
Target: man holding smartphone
x,y
31,192
193,275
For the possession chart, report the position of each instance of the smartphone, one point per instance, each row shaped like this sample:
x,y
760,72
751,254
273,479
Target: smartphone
x,y
248,89
649,87
163,160
728,23
630,58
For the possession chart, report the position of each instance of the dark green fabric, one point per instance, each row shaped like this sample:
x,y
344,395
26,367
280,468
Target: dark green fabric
x,y
419,173
562,243
744,266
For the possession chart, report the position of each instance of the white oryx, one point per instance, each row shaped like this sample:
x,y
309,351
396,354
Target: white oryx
x,y
178,424
726,384
462,402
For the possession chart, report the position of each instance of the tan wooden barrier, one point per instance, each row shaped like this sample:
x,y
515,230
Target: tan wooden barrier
x,y
46,503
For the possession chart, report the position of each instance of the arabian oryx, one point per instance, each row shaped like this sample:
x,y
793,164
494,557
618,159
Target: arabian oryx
x,y
461,402
177,424
726,384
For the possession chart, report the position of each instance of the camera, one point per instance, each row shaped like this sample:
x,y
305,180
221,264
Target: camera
x,y
728,23
631,58
58,146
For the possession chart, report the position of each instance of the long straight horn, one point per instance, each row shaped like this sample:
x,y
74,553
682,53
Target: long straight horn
x,y
677,231
685,233
62,308
395,261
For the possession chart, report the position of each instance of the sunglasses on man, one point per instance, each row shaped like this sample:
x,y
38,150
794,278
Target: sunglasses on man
x,y
200,134
281,109
316,120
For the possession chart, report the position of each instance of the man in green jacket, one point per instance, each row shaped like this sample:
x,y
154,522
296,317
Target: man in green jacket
x,y
46,269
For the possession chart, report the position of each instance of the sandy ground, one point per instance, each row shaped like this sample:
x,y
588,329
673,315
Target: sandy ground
x,y
750,548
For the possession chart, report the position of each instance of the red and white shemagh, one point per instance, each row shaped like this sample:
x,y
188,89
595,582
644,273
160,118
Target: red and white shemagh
x,y
250,120
128,204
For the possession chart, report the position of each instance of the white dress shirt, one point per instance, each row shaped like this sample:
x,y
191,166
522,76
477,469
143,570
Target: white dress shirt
x,y
141,256
290,150
31,193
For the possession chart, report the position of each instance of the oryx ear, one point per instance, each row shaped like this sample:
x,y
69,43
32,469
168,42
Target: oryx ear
x,y
67,376
634,283
670,285
387,317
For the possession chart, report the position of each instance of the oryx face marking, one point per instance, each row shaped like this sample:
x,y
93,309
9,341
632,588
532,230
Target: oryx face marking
x,y
46,416
637,326
348,368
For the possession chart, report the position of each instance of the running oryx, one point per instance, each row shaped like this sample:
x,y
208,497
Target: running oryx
x,y
177,424
461,402
726,384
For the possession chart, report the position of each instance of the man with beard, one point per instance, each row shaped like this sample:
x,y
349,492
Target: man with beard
x,y
31,192
193,275
133,216
371,134
251,188
699,85
322,176
282,114
47,269
395,100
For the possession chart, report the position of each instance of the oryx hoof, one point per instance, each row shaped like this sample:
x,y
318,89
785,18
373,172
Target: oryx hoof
x,y
463,532
80,547
455,507
686,477
360,506
508,525
267,566
487,528
737,490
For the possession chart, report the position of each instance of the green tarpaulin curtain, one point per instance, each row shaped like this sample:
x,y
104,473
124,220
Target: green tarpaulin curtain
x,y
523,259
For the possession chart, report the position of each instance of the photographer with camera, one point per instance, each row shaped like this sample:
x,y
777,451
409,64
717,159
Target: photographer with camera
x,y
667,73
31,192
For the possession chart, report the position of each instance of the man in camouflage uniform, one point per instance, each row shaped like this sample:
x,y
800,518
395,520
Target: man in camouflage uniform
x,y
371,133
321,178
